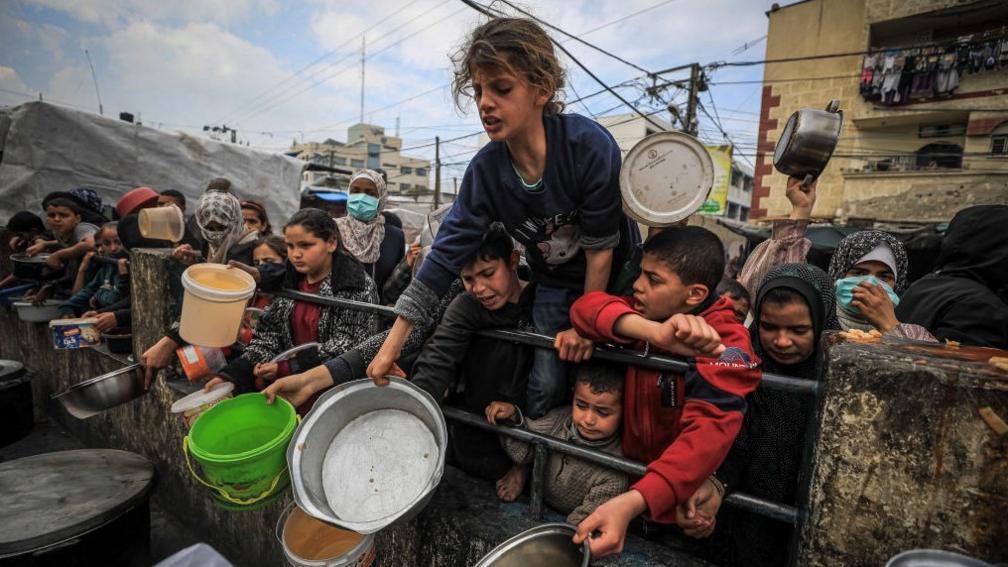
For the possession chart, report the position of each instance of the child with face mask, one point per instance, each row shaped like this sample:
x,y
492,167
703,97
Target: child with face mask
x,y
378,245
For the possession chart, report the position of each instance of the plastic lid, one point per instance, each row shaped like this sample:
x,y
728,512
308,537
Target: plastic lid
x,y
665,178
201,396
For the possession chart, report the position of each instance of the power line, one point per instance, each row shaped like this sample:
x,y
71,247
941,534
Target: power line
x,y
248,103
571,36
274,102
627,17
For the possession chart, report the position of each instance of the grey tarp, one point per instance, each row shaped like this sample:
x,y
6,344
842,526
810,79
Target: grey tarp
x,y
49,148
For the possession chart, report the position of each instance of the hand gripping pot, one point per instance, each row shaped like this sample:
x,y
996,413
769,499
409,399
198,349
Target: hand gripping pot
x,y
368,456
547,545
808,140
665,178
214,303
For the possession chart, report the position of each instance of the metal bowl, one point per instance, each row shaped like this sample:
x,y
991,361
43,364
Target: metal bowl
x,y
96,395
808,140
30,313
548,545
33,267
368,456
934,558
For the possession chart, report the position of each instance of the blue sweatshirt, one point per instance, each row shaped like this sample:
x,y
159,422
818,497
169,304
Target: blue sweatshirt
x,y
577,207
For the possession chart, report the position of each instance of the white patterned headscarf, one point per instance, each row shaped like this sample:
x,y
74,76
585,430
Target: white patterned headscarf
x,y
225,209
363,239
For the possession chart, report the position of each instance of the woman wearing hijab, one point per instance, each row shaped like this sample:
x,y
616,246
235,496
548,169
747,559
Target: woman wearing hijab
x,y
868,268
791,310
364,233
220,222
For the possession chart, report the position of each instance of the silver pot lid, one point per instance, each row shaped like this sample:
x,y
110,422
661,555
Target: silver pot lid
x,y
665,178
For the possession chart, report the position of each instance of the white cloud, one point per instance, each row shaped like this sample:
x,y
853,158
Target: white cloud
x,y
10,80
109,12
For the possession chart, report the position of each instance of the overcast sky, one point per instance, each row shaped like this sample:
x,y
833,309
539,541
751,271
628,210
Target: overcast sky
x,y
276,70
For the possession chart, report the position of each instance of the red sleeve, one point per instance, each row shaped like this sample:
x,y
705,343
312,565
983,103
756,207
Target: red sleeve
x,y
594,315
712,415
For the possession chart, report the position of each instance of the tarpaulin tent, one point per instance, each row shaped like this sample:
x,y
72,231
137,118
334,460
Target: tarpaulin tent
x,y
49,148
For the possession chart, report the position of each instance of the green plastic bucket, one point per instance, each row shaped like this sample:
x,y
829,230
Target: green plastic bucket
x,y
241,445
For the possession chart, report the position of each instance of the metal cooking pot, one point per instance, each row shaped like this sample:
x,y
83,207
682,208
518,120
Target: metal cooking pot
x,y
934,558
808,140
548,545
119,340
354,441
33,267
96,395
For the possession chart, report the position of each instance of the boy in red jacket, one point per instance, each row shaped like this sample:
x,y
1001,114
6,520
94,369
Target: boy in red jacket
x,y
682,425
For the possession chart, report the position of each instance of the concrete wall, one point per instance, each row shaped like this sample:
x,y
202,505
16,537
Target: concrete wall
x,y
904,459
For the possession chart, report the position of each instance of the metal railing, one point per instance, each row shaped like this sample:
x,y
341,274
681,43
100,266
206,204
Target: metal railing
x,y
543,444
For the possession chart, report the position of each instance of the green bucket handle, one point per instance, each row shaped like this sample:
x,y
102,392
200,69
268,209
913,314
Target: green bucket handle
x,y
223,494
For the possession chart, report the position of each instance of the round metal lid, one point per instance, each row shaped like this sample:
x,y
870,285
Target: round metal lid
x,y
11,370
665,178
51,497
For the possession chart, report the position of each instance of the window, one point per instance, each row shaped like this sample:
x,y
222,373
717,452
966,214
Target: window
x,y
391,186
743,213
999,145
373,155
406,170
941,131
356,163
421,171
939,156
339,160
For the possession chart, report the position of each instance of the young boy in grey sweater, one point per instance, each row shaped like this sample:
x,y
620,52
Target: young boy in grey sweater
x,y
573,486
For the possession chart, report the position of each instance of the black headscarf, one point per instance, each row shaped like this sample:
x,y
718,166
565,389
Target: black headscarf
x,y
817,289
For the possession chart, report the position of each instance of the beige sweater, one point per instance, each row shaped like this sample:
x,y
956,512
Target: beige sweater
x,y
573,486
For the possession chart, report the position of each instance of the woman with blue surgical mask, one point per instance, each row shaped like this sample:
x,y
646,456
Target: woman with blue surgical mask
x,y
364,232
869,270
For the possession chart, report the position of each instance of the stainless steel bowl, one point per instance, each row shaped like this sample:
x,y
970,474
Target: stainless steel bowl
x,y
934,558
808,140
548,545
381,471
33,267
30,313
96,395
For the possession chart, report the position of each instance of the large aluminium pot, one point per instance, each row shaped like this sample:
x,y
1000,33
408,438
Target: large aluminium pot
x,y
368,456
17,414
808,140
548,545
98,394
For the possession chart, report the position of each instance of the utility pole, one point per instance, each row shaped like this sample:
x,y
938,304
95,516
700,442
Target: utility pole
x,y
362,50
694,96
437,171
93,78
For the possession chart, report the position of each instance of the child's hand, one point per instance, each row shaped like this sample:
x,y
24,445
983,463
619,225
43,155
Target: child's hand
x,y
105,321
184,254
254,272
412,253
875,305
213,382
382,366
54,261
299,388
687,335
697,515
123,266
157,357
610,520
801,196
34,249
89,314
500,410
86,260
266,371
14,242
572,347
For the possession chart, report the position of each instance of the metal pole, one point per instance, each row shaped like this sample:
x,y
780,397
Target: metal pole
x,y
615,354
437,171
747,502
539,460
362,52
694,97
93,78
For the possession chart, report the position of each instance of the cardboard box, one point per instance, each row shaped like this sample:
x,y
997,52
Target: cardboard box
x,y
74,333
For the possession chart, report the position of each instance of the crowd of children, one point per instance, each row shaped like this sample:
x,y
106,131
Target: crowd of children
x,y
546,187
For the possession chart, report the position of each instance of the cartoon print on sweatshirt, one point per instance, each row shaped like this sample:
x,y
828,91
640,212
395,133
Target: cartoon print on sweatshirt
x,y
557,238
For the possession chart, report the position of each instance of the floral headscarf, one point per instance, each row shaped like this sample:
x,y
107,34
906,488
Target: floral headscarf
x,y
223,208
363,239
855,246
